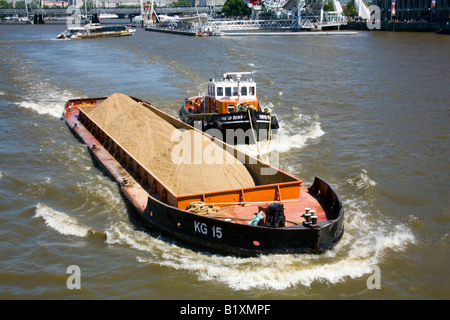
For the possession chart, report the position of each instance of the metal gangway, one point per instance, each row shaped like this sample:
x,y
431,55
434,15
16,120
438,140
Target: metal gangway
x,y
309,14
304,14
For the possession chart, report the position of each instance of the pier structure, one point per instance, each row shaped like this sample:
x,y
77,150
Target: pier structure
x,y
301,14
304,14
290,15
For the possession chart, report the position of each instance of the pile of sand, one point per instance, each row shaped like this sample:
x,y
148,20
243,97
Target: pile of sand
x,y
178,163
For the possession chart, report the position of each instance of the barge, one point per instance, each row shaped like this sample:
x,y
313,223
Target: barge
x,y
277,215
230,110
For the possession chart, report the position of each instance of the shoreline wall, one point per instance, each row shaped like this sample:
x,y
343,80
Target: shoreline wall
x,y
400,26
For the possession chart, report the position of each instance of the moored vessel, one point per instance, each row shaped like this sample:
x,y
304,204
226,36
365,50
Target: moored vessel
x,y
230,110
235,205
95,30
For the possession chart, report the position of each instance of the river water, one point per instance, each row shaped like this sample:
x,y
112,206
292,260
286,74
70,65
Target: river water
x,y
369,113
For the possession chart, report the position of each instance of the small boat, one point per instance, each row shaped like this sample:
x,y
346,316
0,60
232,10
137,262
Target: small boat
x,y
95,30
275,215
230,110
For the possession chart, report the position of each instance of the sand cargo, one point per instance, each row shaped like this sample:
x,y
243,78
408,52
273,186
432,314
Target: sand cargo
x,y
199,191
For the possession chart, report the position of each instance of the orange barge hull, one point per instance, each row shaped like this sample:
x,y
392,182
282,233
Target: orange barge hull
x,y
229,230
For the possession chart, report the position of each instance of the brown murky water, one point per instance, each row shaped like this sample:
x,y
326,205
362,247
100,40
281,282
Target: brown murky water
x,y
369,113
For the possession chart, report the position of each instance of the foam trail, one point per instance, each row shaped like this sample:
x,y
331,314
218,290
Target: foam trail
x,y
367,239
49,102
364,244
288,136
60,221
41,95
122,233
362,181
287,140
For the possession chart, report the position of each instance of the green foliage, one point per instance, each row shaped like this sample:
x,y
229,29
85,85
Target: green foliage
x,y
4,4
328,6
181,3
89,4
236,8
350,9
19,5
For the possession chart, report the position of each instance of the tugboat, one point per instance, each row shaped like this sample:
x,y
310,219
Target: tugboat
x,y
230,111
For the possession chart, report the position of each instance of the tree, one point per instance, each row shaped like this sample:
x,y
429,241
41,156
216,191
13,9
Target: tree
x,y
19,5
328,6
180,3
4,4
350,9
236,8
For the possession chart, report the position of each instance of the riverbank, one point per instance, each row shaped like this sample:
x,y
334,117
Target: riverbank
x,y
401,26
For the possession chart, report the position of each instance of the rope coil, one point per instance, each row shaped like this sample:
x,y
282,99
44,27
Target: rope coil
x,y
199,207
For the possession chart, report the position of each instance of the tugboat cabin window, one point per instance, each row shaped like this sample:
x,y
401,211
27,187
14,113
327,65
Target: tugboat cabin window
x,y
228,88
230,108
230,92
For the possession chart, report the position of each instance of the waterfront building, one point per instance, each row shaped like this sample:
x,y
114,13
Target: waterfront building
x,y
414,10
55,4
159,3
207,3
106,3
